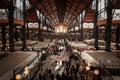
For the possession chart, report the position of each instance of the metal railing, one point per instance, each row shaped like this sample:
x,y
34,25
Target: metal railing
x,y
3,14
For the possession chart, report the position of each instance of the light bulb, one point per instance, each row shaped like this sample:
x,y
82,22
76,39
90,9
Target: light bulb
x,y
87,68
26,72
18,76
96,71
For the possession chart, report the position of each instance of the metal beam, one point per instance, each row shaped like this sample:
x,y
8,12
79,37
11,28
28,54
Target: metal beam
x,y
69,8
86,5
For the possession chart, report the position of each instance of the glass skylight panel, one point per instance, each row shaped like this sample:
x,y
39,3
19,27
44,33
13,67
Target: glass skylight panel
x,y
38,14
3,14
102,4
99,4
2,11
27,3
19,4
41,17
116,15
93,4
83,14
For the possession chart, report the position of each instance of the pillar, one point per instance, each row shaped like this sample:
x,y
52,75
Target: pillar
x,y
3,38
11,25
108,26
27,31
118,37
23,27
81,27
96,29
39,32
16,34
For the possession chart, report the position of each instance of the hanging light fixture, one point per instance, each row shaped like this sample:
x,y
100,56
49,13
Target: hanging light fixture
x,y
43,51
87,68
18,76
89,64
26,68
26,72
96,71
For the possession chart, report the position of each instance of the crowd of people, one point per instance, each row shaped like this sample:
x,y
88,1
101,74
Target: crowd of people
x,y
74,69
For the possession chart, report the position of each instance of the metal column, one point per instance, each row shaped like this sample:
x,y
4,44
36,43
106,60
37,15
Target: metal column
x,y
108,26
81,27
11,25
3,38
39,31
27,31
96,29
118,37
16,34
23,27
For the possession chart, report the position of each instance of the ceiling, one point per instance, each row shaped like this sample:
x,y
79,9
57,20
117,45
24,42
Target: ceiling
x,y
32,15
60,11
116,4
3,4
